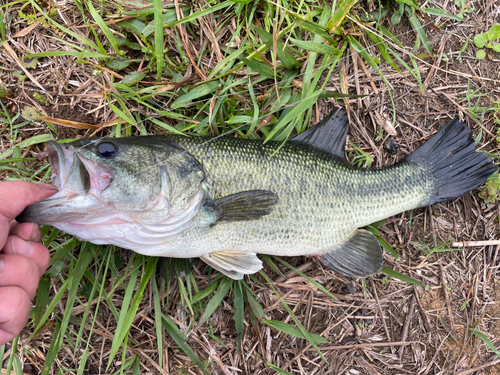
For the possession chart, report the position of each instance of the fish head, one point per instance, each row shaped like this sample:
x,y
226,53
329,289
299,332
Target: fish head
x,y
110,186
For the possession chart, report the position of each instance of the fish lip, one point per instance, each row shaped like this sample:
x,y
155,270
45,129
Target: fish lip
x,y
75,174
35,212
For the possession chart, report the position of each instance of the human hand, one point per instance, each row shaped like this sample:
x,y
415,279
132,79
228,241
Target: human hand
x,y
23,259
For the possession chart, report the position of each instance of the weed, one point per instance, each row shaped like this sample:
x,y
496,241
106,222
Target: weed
x,y
490,192
487,40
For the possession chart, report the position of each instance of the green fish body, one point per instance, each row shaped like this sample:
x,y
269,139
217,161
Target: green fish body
x,y
226,199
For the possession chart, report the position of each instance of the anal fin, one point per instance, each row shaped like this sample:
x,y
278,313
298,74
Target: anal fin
x,y
233,263
359,256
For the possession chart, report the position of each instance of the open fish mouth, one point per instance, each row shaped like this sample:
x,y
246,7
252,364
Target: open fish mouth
x,y
75,174
75,177
69,174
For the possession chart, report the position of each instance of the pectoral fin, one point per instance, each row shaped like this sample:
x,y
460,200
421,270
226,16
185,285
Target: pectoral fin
x,y
359,256
242,206
233,263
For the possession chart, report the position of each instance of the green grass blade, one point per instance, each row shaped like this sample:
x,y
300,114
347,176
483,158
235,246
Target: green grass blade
x,y
278,370
13,354
344,8
227,60
179,338
42,298
83,362
387,247
81,55
75,276
292,115
51,307
42,138
185,295
271,264
158,19
442,13
417,26
2,352
259,67
18,368
402,277
304,332
364,53
203,13
285,56
486,340
390,35
415,73
159,337
239,309
136,370
224,286
314,28
313,282
120,326
85,41
102,25
382,47
204,293
294,331
95,284
128,119
316,47
165,126
195,93
255,306
130,315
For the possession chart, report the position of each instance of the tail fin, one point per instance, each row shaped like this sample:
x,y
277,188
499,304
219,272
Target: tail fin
x,y
451,158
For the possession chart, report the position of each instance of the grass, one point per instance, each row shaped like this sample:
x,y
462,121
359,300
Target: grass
x,y
252,69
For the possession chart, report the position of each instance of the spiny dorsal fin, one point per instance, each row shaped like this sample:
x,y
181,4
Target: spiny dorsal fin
x,y
329,134
359,256
243,206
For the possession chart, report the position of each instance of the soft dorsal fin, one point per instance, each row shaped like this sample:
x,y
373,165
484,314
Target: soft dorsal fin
x,y
329,134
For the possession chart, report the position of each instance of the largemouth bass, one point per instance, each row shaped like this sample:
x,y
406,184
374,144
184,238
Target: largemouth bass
x,y
226,200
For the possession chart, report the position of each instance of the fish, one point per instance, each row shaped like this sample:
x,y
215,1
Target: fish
x,y
226,199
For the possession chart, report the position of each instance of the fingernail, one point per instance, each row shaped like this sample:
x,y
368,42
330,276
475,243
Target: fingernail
x,y
36,233
2,264
22,247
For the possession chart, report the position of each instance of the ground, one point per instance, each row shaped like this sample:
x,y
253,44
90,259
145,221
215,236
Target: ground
x,y
381,325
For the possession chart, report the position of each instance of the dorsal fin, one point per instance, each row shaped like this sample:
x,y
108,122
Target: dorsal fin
x,y
329,134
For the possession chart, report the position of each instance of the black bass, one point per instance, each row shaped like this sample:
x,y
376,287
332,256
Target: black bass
x,y
226,200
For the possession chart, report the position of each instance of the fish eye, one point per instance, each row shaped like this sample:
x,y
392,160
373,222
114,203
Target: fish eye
x,y
106,150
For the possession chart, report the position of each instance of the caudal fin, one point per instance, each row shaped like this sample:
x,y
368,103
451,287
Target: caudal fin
x,y
451,158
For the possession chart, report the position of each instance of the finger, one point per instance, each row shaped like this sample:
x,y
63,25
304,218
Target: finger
x,y
14,312
15,196
32,250
16,270
27,231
